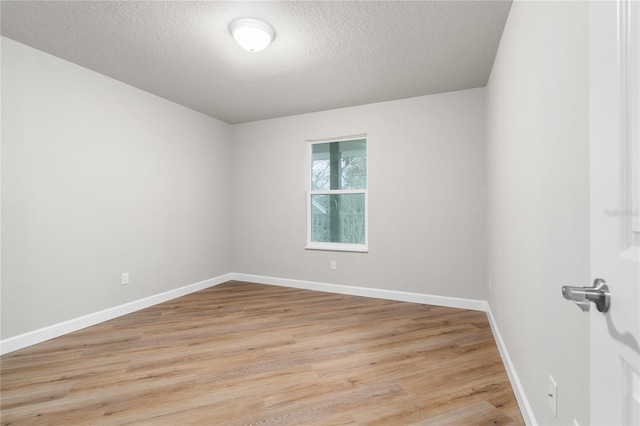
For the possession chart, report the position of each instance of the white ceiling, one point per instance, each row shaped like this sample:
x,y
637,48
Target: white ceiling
x,y
325,55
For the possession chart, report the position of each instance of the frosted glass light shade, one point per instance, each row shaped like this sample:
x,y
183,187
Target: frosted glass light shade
x,y
251,34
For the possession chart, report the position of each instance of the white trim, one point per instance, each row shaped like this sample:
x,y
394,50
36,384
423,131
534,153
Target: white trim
x,y
337,191
339,139
37,336
401,296
357,248
518,390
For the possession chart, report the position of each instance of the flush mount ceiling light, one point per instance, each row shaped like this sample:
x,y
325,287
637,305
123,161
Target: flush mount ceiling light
x,y
251,34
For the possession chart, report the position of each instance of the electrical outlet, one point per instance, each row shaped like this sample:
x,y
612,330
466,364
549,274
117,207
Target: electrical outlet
x,y
334,265
125,278
553,396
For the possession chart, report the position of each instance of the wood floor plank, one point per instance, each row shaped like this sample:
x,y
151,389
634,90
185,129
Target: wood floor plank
x,y
250,354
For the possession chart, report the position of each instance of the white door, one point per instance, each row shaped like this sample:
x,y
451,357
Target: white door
x,y
614,39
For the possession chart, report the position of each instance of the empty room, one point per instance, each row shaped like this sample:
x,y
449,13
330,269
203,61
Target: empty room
x,y
320,212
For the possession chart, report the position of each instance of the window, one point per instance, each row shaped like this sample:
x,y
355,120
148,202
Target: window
x,y
337,195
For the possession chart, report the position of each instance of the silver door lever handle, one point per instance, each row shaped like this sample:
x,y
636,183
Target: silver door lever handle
x,y
598,294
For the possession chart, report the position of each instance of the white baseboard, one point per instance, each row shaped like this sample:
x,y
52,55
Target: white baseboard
x,y
37,336
401,296
518,390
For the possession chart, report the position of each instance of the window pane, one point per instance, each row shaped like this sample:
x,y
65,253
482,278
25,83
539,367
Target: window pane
x,y
320,173
337,218
339,165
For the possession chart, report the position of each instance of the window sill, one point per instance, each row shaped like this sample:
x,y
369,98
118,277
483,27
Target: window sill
x,y
357,248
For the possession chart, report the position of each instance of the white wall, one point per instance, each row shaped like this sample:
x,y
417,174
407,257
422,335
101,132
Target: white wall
x,y
427,196
100,178
537,127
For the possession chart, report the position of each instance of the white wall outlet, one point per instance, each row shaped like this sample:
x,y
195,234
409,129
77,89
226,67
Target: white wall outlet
x,y
334,265
553,396
125,278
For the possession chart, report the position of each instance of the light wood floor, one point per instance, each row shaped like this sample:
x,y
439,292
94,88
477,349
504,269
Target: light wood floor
x,y
242,353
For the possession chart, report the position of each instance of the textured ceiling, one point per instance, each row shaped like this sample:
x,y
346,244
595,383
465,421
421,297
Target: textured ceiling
x,y
325,55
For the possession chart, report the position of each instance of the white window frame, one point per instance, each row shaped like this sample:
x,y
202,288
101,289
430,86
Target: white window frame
x,y
315,245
